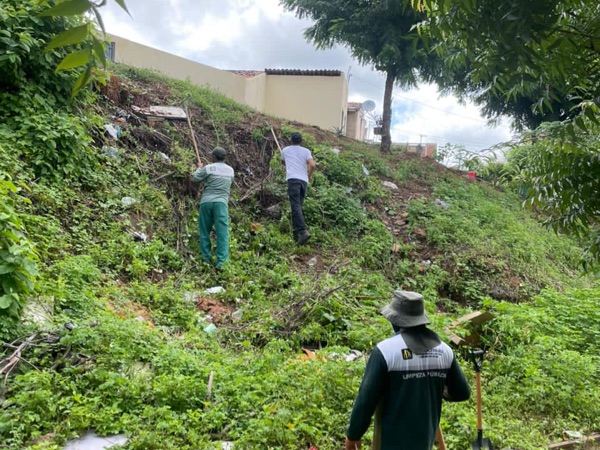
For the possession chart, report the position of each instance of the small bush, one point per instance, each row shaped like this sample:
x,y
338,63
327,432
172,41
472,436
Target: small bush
x,y
332,208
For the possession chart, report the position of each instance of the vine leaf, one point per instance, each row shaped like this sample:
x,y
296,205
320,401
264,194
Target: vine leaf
x,y
68,37
70,8
122,4
75,59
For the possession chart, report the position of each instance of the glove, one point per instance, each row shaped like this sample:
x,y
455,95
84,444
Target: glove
x,y
352,445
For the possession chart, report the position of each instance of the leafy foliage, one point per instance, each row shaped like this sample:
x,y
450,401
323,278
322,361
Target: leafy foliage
x,y
18,258
534,61
563,174
90,51
491,241
553,354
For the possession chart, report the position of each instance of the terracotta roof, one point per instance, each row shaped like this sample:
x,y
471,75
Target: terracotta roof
x,y
354,106
247,73
319,73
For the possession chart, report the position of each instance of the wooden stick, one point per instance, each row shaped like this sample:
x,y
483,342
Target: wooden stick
x,y
8,364
276,141
440,439
479,406
187,113
210,384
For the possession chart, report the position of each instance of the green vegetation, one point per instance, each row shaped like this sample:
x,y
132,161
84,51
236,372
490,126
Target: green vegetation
x,y
114,333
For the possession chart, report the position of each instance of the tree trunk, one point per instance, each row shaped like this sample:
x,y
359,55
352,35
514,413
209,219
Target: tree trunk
x,y
386,137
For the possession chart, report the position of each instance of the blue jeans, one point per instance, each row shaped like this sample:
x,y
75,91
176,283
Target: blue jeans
x,y
297,193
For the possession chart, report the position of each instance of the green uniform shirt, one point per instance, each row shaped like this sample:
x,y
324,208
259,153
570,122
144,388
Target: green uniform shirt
x,y
217,179
406,388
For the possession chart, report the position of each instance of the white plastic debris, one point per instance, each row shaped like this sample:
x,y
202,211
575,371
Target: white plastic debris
x,y
111,152
163,112
442,203
215,290
335,151
227,445
91,441
365,170
353,355
128,201
236,316
389,184
210,328
189,297
573,435
139,236
312,262
164,156
113,131
39,311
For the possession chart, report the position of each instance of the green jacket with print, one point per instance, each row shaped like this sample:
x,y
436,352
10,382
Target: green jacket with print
x,y
408,389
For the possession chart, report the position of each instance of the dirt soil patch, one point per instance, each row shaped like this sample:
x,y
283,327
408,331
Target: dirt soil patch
x,y
218,312
132,309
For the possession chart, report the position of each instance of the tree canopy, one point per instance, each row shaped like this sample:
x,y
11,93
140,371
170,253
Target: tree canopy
x,y
534,61
381,33
538,62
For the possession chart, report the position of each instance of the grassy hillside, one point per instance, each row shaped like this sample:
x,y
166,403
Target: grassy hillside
x,y
124,344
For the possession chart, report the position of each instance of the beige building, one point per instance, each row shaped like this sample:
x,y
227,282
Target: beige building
x,y
424,150
356,124
314,97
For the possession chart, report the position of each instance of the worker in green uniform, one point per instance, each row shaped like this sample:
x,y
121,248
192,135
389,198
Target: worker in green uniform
x,y
214,211
406,378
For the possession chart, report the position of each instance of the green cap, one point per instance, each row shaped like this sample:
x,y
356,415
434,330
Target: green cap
x,y
219,153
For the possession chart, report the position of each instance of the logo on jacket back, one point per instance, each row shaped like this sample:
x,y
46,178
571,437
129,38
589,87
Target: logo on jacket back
x,y
406,354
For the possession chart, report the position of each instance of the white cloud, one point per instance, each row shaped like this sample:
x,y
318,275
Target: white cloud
x,y
423,115
256,34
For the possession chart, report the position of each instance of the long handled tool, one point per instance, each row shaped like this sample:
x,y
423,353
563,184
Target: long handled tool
x,y
481,443
276,141
187,113
274,136
440,439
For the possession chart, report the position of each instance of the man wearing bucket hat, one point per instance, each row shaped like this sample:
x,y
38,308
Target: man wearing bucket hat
x,y
214,211
405,380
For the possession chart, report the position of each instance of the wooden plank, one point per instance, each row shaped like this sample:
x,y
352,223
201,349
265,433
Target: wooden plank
x,y
476,318
591,442
163,112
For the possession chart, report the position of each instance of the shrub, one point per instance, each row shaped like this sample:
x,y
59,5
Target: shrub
x,y
17,258
332,208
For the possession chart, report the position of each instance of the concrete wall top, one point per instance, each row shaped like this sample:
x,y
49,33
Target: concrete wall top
x,y
137,55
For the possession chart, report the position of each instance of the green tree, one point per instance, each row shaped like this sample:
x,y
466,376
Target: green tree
x,y
562,171
378,32
537,61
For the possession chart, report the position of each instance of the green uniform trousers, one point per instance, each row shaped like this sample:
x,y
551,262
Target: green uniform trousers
x,y
214,214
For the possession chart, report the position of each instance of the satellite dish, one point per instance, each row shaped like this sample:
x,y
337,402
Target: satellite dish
x,y
368,106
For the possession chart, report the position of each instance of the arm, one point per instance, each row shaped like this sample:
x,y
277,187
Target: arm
x,y
369,396
200,174
311,168
457,387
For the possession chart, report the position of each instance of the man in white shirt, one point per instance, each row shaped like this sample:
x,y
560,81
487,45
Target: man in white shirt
x,y
299,168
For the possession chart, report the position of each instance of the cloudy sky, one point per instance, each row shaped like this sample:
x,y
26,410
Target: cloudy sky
x,y
259,34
